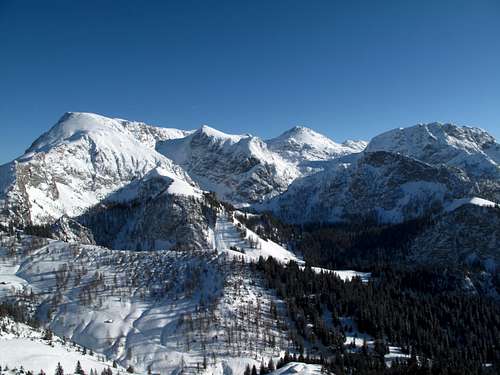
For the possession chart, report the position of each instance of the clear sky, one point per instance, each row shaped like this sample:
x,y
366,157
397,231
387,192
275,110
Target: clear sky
x,y
349,69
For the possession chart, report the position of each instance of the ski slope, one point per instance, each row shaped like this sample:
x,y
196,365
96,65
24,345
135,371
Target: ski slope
x,y
228,235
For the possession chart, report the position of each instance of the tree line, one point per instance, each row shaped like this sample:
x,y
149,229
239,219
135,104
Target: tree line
x,y
411,308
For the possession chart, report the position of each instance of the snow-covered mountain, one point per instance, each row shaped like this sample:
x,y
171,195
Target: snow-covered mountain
x,y
140,173
76,164
471,149
118,178
395,190
244,169
301,144
380,186
239,168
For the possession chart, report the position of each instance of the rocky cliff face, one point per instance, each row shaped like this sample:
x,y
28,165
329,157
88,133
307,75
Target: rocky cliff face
x,y
244,169
69,230
240,169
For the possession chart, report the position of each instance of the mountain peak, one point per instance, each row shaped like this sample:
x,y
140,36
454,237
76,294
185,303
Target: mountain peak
x,y
213,133
300,132
302,135
299,129
304,144
73,125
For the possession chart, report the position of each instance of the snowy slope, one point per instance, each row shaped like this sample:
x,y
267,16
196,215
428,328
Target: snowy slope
x,y
77,163
9,282
473,201
232,237
163,309
298,368
345,275
24,346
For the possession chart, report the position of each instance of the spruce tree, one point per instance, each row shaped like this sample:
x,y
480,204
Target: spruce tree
x,y
263,369
59,369
270,366
78,369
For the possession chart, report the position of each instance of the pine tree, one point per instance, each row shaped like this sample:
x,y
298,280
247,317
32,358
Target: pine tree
x,y
270,366
59,369
254,370
78,369
248,371
263,369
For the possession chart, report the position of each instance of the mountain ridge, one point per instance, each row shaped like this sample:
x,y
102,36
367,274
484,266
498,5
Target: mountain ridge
x,y
102,155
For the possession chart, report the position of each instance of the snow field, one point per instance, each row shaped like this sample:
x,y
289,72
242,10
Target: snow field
x,y
21,345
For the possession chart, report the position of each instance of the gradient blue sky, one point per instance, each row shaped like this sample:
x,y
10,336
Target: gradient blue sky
x,y
349,69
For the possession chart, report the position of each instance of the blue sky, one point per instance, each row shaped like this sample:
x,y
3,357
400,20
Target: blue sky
x,y
349,69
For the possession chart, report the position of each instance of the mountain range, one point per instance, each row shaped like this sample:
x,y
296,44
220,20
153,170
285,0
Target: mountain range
x,y
85,158
138,241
